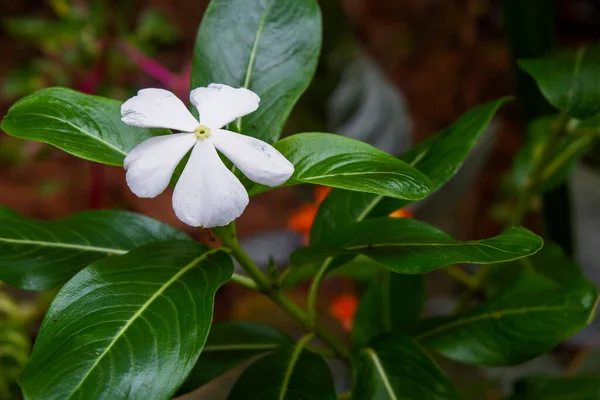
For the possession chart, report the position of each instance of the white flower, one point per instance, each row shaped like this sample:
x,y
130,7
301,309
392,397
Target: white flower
x,y
207,194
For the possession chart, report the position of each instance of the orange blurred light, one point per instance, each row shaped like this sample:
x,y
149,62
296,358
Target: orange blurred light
x,y
302,219
402,213
343,308
321,192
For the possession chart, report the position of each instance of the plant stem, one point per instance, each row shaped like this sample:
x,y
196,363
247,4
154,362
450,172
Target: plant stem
x,y
313,291
462,276
539,173
265,286
244,281
536,176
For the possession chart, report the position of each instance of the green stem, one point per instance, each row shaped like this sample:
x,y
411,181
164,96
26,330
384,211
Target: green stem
x,y
244,281
539,173
344,396
269,289
462,276
324,351
313,291
575,147
535,178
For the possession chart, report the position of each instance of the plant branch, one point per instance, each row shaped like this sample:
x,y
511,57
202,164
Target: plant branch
x,y
463,277
536,177
244,281
271,290
313,291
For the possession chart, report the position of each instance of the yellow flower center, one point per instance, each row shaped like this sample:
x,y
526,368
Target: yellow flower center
x,y
202,132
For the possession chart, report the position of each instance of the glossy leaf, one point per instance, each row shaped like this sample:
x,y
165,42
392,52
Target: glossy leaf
x,y
392,303
558,388
569,79
528,319
439,157
268,46
132,325
39,255
395,367
290,373
85,126
337,161
229,344
413,247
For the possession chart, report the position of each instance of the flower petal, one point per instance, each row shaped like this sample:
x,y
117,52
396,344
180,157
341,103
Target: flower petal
x,y
259,161
150,164
207,193
220,104
157,108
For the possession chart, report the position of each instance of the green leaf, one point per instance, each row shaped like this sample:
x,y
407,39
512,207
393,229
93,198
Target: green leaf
x,y
528,319
39,255
290,373
568,79
558,388
337,161
85,126
439,157
126,326
395,367
268,46
392,303
550,261
409,246
229,344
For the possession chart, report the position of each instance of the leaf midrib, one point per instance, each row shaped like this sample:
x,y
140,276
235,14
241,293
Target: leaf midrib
x,y
63,245
293,360
241,346
143,308
381,371
257,36
491,315
576,69
433,244
80,130
333,175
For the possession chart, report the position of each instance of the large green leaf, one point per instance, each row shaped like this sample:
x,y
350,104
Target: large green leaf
x,y
128,326
86,126
290,373
569,79
341,162
39,255
558,388
528,319
394,367
268,46
229,344
439,157
392,303
412,247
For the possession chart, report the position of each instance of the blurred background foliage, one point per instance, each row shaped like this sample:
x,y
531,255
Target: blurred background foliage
x,y
392,73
